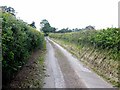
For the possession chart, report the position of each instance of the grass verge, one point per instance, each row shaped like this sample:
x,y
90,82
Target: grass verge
x,y
32,74
75,50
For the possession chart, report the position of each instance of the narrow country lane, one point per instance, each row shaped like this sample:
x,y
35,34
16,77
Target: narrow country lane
x,y
65,71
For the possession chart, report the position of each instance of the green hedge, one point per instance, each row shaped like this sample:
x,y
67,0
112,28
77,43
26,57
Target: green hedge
x,y
108,39
18,41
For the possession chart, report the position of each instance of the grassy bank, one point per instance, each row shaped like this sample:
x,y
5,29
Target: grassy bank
x,y
103,59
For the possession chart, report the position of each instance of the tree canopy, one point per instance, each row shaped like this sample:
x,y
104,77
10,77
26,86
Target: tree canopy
x,y
8,9
46,27
33,24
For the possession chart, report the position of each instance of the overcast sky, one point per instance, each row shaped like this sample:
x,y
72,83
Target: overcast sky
x,y
67,13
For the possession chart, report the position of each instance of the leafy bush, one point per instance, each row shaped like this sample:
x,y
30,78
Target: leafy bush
x,y
18,41
108,39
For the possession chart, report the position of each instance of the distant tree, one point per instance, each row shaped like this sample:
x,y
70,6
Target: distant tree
x,y
33,24
8,9
53,29
64,30
76,30
90,27
45,26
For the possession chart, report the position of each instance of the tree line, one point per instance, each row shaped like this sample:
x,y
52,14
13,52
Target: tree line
x,y
46,28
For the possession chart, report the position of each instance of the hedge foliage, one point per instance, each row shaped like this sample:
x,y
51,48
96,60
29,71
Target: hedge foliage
x,y
18,41
108,39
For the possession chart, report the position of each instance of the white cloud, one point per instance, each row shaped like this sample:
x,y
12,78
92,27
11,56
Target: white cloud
x,y
67,13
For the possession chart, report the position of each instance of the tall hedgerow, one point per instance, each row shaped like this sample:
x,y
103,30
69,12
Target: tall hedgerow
x,y
18,41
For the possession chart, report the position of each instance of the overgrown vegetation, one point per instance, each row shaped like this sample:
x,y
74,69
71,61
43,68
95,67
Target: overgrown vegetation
x,y
108,39
18,41
98,49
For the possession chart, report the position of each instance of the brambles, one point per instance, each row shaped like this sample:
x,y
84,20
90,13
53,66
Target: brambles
x,y
18,41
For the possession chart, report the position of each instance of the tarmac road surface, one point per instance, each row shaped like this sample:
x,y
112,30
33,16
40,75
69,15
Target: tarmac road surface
x,y
65,71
